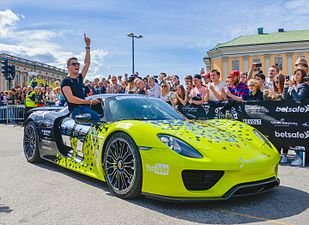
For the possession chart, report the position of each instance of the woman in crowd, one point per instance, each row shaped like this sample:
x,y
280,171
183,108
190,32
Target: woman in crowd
x,y
165,92
19,96
296,88
255,93
278,86
181,98
123,87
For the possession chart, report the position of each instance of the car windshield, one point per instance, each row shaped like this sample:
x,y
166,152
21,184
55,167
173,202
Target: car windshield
x,y
140,108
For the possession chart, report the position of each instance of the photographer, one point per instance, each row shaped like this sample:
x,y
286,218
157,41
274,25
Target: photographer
x,y
296,88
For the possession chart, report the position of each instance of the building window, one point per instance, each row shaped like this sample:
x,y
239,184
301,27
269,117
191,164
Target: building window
x,y
278,62
235,64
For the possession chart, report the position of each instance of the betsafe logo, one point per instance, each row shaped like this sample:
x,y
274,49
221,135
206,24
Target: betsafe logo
x,y
292,135
288,109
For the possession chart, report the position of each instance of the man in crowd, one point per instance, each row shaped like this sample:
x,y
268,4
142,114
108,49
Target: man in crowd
x,y
72,86
154,88
214,90
272,72
115,87
239,90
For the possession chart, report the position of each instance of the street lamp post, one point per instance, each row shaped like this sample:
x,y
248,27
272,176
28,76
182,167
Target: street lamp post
x,y
131,35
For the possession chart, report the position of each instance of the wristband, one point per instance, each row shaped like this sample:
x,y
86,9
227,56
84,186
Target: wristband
x,y
87,47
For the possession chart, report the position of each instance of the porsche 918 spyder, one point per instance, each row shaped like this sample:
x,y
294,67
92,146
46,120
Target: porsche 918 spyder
x,y
142,146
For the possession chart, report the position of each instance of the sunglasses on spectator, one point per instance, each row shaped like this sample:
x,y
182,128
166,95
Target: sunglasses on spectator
x,y
75,64
164,86
276,81
301,64
252,85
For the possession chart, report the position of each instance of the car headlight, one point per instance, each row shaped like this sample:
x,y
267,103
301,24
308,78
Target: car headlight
x,y
179,146
259,135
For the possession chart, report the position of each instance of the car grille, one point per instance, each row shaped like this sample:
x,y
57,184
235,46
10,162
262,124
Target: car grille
x,y
200,179
256,188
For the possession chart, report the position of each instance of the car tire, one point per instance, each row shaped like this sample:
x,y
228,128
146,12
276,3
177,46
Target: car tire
x,y
122,166
30,143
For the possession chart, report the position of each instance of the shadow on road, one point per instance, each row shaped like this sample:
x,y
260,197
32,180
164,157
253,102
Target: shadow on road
x,y
277,204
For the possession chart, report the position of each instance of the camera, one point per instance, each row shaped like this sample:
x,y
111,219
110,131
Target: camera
x,y
287,77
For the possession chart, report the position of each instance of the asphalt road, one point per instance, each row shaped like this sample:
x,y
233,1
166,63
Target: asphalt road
x,y
47,194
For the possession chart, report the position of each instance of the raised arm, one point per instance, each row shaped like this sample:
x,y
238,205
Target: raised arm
x,y
87,56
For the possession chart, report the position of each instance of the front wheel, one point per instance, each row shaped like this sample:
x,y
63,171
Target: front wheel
x,y
31,139
122,166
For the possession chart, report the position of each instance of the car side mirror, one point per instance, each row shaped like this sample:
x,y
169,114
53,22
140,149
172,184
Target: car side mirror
x,y
83,118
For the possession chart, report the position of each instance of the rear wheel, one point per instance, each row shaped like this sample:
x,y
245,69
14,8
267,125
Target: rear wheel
x,y
122,166
30,142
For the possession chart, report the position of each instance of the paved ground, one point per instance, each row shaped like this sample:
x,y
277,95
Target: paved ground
x,y
47,194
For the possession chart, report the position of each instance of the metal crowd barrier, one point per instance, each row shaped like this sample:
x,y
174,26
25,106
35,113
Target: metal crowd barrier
x,y
12,114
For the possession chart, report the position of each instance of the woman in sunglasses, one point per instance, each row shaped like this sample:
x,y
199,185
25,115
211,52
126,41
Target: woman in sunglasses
x,y
277,93
255,93
165,92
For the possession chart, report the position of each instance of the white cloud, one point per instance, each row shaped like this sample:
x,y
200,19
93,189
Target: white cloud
x,y
41,45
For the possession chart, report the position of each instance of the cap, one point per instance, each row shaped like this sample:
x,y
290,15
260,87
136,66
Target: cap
x,y
234,73
206,75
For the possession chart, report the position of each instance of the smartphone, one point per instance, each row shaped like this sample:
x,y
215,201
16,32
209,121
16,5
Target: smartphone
x,y
258,64
287,77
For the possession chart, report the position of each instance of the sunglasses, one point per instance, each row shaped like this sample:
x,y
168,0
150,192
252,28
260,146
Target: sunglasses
x,y
164,86
276,81
252,85
301,64
75,64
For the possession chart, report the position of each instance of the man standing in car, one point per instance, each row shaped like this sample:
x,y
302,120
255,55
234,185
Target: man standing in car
x,y
73,89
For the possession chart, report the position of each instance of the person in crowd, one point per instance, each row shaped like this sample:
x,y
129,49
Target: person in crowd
x,y
154,88
272,72
198,92
33,82
206,77
123,87
130,89
277,93
244,77
181,98
30,99
175,82
239,90
188,80
166,92
20,97
255,94
162,77
114,87
261,78
141,87
72,86
96,89
215,88
296,88
102,87
302,63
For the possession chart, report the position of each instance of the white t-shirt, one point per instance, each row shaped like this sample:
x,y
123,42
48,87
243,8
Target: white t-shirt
x,y
155,91
220,85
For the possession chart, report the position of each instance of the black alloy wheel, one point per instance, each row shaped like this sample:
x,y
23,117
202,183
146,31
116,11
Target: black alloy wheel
x,y
122,166
30,142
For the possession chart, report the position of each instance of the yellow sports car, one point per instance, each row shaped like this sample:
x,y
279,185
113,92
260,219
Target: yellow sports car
x,y
142,146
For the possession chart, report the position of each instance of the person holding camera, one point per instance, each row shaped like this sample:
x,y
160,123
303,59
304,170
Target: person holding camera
x,y
296,88
73,89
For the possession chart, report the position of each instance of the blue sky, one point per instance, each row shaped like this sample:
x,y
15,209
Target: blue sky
x,y
177,34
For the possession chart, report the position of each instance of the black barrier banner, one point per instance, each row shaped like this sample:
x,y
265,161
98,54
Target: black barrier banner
x,y
285,123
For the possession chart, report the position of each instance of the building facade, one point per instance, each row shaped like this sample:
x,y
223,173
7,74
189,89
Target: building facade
x,y
280,48
27,69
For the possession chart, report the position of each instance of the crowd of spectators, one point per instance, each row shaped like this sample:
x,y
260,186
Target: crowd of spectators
x,y
198,89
